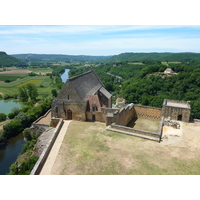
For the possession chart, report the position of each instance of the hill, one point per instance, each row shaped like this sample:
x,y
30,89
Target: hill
x,y
181,57
57,58
8,61
136,56
171,57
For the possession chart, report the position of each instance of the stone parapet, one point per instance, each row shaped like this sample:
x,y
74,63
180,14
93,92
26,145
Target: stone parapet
x,y
42,159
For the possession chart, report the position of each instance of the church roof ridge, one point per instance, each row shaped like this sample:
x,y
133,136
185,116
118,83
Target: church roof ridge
x,y
74,77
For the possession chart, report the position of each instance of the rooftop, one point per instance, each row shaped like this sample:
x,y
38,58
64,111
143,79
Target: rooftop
x,y
178,105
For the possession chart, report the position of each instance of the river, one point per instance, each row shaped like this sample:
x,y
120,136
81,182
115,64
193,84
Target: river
x,y
65,76
9,153
7,105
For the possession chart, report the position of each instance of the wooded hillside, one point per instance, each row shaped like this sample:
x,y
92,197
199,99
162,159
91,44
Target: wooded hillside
x,y
148,85
9,61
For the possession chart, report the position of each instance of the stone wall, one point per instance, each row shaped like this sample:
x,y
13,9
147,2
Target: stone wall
x,y
146,112
42,159
137,131
40,128
62,108
124,115
176,113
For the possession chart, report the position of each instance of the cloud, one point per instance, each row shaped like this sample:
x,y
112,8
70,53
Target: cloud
x,y
75,29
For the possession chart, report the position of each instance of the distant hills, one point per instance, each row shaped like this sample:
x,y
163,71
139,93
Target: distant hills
x,y
57,57
167,56
171,57
8,61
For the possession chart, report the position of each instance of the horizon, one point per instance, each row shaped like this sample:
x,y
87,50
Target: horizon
x,y
98,55
99,40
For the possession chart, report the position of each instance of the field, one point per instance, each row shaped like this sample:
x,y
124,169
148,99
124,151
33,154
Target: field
x,y
89,149
13,74
41,71
42,82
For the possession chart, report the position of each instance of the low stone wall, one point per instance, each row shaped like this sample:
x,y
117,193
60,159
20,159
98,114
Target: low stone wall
x,y
36,121
160,129
39,128
40,163
132,130
109,110
197,120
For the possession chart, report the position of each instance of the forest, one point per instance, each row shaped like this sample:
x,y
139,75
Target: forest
x,y
146,85
8,61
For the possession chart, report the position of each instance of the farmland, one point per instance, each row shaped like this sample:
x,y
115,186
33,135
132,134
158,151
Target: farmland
x,y
20,78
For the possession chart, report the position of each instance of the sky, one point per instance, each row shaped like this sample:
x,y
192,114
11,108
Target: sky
x,y
98,39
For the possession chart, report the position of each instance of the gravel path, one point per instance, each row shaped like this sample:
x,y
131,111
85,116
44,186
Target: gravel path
x,y
46,170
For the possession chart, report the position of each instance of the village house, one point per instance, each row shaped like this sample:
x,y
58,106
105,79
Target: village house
x,y
168,71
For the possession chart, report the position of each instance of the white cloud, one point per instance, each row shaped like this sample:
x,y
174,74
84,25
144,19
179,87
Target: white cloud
x,y
70,29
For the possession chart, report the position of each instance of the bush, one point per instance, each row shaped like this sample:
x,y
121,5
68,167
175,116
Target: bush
x,y
27,134
11,115
2,117
2,137
12,129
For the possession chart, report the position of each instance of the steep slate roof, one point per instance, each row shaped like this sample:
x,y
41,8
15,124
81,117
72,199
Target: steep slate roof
x,y
87,84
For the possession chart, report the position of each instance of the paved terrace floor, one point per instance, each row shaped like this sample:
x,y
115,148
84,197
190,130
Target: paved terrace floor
x,y
46,170
45,120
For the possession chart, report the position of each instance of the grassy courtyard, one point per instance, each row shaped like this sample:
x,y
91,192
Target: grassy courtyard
x,y
91,150
144,124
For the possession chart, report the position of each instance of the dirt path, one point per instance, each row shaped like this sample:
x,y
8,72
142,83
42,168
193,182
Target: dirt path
x,y
46,170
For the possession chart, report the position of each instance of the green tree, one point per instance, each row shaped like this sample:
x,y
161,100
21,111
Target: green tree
x,y
28,92
32,91
23,94
54,93
12,129
2,117
23,118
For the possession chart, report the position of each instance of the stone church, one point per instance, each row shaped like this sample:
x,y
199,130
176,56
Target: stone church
x,y
82,98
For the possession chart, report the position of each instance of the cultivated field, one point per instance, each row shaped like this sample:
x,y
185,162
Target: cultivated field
x,y
21,78
89,149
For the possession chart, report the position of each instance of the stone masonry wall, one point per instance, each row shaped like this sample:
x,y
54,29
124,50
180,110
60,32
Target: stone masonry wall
x,y
124,115
147,112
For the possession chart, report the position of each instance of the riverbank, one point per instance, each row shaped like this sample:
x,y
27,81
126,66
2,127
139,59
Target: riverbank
x,y
34,113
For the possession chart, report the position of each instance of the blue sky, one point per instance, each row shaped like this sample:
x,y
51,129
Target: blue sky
x,y
98,39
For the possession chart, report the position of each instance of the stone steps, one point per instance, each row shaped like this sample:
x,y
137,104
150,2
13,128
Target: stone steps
x,y
134,134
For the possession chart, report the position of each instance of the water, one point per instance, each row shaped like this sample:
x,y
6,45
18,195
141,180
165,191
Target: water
x,y
7,105
65,76
9,154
